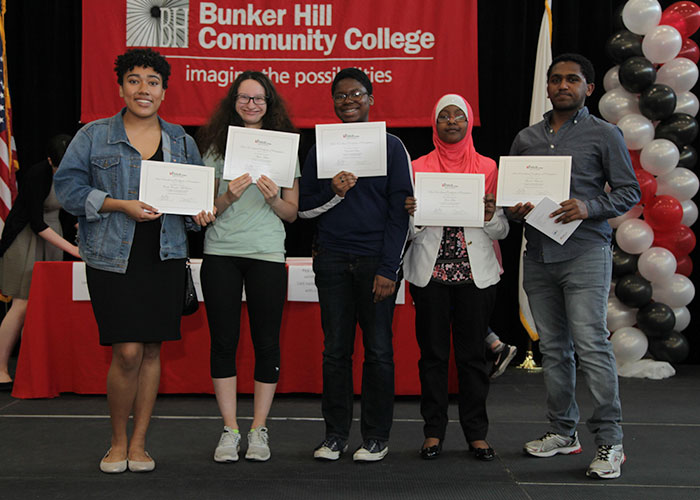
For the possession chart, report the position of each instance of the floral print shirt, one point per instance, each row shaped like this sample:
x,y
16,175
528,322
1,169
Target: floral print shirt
x,y
452,266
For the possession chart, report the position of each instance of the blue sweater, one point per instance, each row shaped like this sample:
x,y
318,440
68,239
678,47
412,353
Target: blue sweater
x,y
371,218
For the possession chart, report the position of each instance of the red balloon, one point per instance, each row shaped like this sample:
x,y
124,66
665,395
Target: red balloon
x,y
680,241
684,265
663,213
684,16
635,156
647,183
690,50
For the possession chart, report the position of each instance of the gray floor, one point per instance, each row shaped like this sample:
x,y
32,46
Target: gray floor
x,y
51,449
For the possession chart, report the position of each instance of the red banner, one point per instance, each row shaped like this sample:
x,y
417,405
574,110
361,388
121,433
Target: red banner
x,y
414,51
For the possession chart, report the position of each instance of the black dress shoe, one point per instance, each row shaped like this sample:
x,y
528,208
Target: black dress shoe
x,y
485,454
431,451
6,386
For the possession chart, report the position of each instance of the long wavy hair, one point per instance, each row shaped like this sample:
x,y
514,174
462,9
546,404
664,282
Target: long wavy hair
x,y
212,136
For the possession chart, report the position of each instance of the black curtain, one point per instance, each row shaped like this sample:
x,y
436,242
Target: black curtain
x,y
44,55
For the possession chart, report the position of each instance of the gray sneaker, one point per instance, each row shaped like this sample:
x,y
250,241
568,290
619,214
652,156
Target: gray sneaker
x,y
228,447
258,447
550,444
607,462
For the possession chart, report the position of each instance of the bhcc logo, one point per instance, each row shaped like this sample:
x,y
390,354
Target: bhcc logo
x,y
157,23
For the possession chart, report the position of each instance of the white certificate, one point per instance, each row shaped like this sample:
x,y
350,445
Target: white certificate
x,y
539,219
449,199
177,188
261,152
358,147
523,179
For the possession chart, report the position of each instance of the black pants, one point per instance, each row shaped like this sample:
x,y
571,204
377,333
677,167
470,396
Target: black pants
x,y
265,282
465,311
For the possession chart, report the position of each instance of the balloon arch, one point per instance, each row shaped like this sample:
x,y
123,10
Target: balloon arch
x,y
648,96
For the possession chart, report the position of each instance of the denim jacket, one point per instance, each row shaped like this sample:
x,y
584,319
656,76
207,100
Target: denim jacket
x,y
101,162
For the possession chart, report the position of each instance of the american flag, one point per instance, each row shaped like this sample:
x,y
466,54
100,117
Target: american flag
x,y
8,150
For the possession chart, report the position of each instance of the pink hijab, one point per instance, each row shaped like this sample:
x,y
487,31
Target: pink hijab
x,y
460,157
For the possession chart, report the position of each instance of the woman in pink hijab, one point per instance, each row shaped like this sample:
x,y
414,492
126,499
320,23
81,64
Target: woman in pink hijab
x,y
453,273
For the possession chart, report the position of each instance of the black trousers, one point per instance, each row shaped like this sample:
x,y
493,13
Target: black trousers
x,y
464,311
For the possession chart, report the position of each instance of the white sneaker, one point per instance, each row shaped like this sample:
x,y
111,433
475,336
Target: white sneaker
x,y
258,448
372,450
550,444
607,462
229,446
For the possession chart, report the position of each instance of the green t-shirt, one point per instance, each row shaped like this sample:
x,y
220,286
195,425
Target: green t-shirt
x,y
249,227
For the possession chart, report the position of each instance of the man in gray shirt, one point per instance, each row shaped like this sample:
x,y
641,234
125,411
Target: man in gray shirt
x,y
567,285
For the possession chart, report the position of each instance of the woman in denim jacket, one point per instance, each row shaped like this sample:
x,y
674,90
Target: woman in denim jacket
x,y
134,255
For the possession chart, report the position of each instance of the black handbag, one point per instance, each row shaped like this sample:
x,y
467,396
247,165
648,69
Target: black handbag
x,y
190,304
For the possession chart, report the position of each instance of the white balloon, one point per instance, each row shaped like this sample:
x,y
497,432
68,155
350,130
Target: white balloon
x,y
640,16
687,102
661,44
680,74
682,318
676,291
634,236
629,345
611,80
617,103
690,212
620,315
637,129
680,183
659,157
632,213
656,264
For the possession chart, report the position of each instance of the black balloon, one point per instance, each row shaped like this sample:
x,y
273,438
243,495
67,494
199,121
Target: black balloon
x,y
633,290
656,320
622,45
688,158
624,263
657,102
637,74
674,349
679,128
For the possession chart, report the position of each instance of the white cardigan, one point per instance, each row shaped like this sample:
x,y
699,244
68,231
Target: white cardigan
x,y
419,260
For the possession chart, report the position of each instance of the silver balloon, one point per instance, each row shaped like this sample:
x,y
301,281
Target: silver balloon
x,y
617,103
680,74
611,80
680,183
619,315
682,318
634,236
629,345
661,44
656,264
687,102
676,291
637,129
659,157
632,213
690,212
641,16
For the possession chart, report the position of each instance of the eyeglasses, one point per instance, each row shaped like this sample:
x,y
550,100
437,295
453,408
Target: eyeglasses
x,y
354,96
446,119
245,99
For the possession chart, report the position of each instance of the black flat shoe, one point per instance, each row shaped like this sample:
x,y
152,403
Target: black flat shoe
x,y
431,451
6,386
485,454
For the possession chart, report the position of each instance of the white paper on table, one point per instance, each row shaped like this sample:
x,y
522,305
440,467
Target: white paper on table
x,y
539,219
358,147
177,188
80,288
446,199
261,152
523,179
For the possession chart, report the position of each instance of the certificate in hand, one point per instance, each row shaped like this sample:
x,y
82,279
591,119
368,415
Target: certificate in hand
x,y
359,148
449,199
261,152
523,179
177,188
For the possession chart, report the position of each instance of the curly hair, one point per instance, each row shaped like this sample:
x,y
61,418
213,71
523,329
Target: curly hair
x,y
212,136
586,66
145,58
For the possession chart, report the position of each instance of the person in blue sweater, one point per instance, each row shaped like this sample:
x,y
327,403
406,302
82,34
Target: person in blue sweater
x,y
362,230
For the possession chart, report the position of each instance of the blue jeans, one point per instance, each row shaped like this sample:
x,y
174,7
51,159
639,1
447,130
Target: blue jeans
x,y
344,285
569,302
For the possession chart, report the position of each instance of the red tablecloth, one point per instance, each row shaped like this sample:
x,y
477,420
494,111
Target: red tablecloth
x,y
60,350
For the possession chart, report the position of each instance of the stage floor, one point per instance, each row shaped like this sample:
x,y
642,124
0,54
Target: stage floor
x,y
51,449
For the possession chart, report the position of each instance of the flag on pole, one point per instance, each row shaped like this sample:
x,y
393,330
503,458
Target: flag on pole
x,y
8,150
539,105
